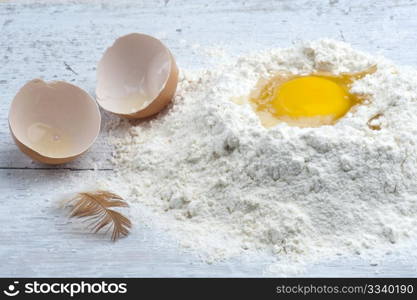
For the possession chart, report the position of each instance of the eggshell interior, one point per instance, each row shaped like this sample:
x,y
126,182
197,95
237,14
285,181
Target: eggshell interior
x,y
59,105
132,73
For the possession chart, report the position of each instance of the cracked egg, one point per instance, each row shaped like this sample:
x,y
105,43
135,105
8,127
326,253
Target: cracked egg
x,y
136,77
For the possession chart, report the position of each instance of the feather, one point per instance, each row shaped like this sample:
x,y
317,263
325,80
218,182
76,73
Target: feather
x,y
94,207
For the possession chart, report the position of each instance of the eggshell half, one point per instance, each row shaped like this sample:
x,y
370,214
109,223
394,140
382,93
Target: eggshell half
x,y
57,106
136,77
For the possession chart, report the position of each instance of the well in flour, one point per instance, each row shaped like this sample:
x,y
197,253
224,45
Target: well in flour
x,y
224,184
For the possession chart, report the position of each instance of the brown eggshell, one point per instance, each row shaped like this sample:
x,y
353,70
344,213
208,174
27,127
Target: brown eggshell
x,y
60,105
136,77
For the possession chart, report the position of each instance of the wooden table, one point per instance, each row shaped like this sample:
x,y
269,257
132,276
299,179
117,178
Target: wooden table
x,y
64,40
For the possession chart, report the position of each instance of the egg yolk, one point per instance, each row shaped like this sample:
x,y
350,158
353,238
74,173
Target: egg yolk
x,y
306,101
310,96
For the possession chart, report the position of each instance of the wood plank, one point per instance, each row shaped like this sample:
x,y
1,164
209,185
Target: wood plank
x,y
41,40
37,238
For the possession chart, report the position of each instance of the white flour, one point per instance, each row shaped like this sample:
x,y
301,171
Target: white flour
x,y
223,184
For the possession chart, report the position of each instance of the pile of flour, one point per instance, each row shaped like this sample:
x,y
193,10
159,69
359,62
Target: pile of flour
x,y
223,184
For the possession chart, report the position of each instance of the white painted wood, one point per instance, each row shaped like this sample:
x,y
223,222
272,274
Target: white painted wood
x,y
38,39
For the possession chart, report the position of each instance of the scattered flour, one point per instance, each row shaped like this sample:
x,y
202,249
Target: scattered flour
x,y
223,184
